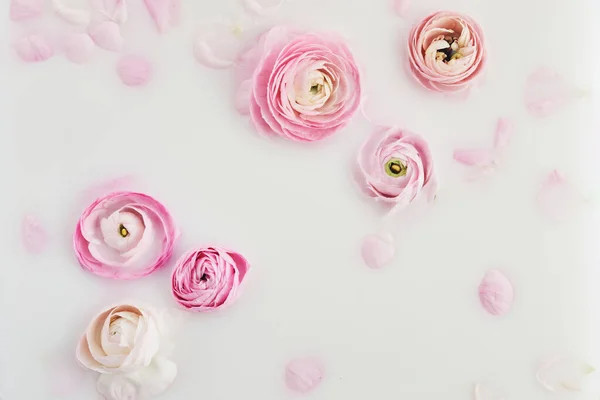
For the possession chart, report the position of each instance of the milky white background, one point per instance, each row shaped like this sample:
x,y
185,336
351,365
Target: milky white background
x,y
414,330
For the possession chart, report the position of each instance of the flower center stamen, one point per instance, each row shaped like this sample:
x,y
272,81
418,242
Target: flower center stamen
x,y
396,168
451,52
316,88
123,231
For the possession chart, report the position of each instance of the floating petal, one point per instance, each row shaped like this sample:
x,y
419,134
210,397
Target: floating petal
x,y
73,16
106,34
21,10
78,48
401,7
216,45
302,375
33,234
33,48
496,293
134,70
546,92
474,157
504,131
378,250
262,7
563,374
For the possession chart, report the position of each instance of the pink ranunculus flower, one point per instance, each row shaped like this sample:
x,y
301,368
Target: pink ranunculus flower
x,y
446,51
302,86
395,166
208,278
124,235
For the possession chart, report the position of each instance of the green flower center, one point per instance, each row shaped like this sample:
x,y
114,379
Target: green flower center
x,y
395,168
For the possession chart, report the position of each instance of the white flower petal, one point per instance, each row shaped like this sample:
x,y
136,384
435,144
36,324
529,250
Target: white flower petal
x,y
563,374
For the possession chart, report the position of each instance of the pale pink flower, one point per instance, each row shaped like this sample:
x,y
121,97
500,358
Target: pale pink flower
x,y
446,51
127,345
302,86
208,278
124,235
395,166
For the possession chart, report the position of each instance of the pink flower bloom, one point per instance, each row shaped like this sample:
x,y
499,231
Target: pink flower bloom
x,y
446,51
208,278
124,235
396,165
302,86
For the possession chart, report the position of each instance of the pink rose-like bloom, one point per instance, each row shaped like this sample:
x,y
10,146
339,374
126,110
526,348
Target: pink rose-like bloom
x,y
395,166
446,51
208,278
302,86
124,235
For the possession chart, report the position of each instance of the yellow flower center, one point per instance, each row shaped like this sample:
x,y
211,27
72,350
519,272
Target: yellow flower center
x,y
123,231
396,168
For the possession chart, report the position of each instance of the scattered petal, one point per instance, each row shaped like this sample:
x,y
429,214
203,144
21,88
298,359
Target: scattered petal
x,y
378,250
118,184
21,10
33,48
78,47
73,16
216,45
134,70
33,234
496,293
303,374
475,157
401,7
486,392
165,13
563,374
504,131
546,92
106,34
557,196
112,10
262,7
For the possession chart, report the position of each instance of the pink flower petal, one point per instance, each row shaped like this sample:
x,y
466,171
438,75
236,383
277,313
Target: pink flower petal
x,y
487,392
557,196
563,374
377,250
474,157
504,131
401,7
21,10
546,92
216,46
262,7
496,293
33,48
33,235
117,184
134,70
71,15
165,13
78,48
302,375
106,34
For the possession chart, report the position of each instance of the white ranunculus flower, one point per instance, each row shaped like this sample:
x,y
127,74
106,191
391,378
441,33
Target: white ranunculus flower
x,y
126,345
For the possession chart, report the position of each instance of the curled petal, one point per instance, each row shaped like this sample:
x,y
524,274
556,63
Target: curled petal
x,y
377,250
33,234
21,10
134,70
546,92
302,375
401,7
504,131
70,15
563,374
474,157
262,7
78,47
106,34
496,293
216,46
33,48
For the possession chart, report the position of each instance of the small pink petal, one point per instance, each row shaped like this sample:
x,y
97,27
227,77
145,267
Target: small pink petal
x,y
556,196
563,374
401,7
71,15
134,70
21,10
106,34
302,375
496,293
487,392
546,92
111,10
216,46
504,131
78,48
33,234
33,48
377,250
262,7
474,157
164,12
